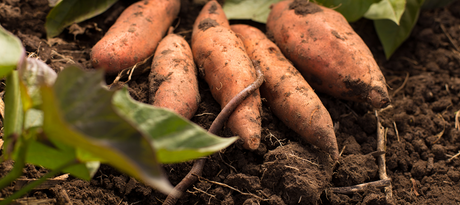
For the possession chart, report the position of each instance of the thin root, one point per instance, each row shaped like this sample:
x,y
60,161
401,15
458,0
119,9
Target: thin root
x,y
448,37
396,130
361,187
453,157
439,135
402,86
232,188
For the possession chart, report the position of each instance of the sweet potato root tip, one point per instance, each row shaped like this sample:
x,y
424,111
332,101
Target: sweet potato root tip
x,y
287,93
135,34
326,50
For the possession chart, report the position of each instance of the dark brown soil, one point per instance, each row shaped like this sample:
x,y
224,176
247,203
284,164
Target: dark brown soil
x,y
284,170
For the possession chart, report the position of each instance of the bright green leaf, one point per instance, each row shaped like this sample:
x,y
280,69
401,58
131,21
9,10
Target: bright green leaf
x,y
352,10
11,52
68,12
51,158
78,111
175,139
256,10
14,115
391,35
387,9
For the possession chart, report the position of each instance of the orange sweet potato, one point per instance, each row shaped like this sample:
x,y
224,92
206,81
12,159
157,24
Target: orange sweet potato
x,y
135,34
327,51
173,77
288,95
221,59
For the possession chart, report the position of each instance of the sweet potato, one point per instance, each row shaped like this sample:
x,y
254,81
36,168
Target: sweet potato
x,y
173,77
327,51
135,34
288,95
221,59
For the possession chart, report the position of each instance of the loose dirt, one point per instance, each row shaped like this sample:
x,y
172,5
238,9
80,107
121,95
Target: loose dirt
x,y
424,80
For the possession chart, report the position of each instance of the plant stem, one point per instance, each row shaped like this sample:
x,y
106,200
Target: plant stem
x,y
16,172
33,184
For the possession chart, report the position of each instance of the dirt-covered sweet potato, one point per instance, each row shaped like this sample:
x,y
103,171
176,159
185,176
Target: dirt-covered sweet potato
x,y
327,51
287,93
221,59
173,77
135,34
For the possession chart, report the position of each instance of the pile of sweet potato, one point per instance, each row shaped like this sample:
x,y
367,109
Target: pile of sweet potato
x,y
312,48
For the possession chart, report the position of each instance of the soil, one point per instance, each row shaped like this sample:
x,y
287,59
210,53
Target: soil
x,y
420,125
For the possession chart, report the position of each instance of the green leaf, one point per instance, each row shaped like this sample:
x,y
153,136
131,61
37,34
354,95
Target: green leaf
x,y
68,12
32,76
51,158
78,111
390,34
175,139
352,10
256,10
14,115
387,9
11,53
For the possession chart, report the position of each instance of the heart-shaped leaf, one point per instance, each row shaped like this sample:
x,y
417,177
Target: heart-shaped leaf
x,y
387,9
392,35
12,53
78,111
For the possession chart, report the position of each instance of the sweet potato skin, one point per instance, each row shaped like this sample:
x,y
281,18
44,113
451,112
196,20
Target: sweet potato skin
x,y
135,34
173,77
327,51
287,93
222,61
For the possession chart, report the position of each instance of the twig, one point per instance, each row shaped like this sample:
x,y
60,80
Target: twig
x,y
201,191
396,130
234,169
414,186
343,149
402,86
453,157
386,108
233,188
439,135
216,125
381,160
361,187
457,125
448,37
